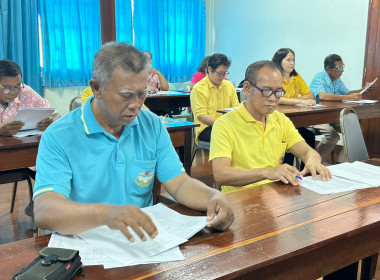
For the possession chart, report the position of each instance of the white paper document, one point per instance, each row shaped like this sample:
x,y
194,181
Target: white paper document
x,y
112,249
170,92
361,101
368,86
346,177
31,117
312,106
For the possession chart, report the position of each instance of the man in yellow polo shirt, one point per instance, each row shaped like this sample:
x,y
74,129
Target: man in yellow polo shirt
x,y
211,94
249,143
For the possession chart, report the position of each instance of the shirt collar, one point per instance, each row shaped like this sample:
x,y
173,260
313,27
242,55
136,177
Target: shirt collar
x,y
91,125
211,85
327,77
248,117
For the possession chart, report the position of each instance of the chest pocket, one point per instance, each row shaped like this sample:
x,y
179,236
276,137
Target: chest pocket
x,y
142,175
278,153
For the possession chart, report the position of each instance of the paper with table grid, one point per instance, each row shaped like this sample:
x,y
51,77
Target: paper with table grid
x,y
346,177
112,249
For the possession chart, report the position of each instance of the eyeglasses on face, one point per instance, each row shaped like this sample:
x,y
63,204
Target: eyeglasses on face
x,y
15,89
221,74
267,92
340,68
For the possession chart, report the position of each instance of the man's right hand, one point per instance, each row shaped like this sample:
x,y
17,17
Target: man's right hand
x,y
285,173
354,96
10,128
122,217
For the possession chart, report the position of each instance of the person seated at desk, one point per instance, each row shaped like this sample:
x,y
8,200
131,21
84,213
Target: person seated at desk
x,y
156,80
297,93
327,85
211,94
248,144
96,166
15,95
201,72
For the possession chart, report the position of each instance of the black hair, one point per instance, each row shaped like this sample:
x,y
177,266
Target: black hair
x,y
9,68
280,55
203,64
218,59
331,59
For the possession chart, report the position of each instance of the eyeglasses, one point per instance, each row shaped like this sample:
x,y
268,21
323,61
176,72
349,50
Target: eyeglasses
x,y
267,93
221,74
340,68
15,89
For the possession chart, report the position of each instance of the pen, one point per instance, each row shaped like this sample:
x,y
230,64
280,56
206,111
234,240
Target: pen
x,y
298,177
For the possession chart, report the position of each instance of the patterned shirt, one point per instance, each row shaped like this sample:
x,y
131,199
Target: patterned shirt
x,y
26,98
322,83
154,81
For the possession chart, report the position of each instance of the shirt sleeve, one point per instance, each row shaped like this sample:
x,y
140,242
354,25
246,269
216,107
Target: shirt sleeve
x,y
317,85
304,89
291,135
221,141
199,101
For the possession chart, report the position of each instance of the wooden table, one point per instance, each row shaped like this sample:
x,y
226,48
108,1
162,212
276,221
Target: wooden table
x,y
18,152
305,116
280,232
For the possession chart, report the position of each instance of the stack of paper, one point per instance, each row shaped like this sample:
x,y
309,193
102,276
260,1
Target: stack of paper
x,y
112,249
346,177
361,101
31,117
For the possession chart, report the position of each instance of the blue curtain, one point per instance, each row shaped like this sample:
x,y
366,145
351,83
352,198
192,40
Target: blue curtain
x,y
123,13
174,32
19,38
71,37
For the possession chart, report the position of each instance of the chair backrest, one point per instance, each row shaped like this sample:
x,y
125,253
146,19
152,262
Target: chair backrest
x,y
76,102
353,140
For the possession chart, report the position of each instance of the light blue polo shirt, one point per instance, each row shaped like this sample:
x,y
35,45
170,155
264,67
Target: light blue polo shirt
x,y
80,160
322,83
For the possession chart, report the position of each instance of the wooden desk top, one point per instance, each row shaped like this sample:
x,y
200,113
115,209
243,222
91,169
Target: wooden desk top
x,y
280,232
11,142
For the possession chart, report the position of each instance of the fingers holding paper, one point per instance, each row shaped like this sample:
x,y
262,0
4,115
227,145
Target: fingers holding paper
x,y
42,125
131,217
219,214
10,128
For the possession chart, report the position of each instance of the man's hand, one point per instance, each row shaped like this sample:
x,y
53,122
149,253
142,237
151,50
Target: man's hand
x,y
354,96
315,168
284,172
222,212
154,70
42,125
153,89
10,128
122,217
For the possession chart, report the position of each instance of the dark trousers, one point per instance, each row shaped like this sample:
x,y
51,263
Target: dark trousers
x,y
310,140
205,135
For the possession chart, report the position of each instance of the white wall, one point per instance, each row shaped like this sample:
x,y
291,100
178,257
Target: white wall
x,y
251,30
60,98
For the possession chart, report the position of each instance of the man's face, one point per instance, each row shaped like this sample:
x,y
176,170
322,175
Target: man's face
x,y
334,72
217,76
9,82
259,105
122,99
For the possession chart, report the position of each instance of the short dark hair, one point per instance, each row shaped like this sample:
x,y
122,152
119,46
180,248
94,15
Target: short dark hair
x,y
218,59
331,59
9,68
280,55
254,68
115,55
203,64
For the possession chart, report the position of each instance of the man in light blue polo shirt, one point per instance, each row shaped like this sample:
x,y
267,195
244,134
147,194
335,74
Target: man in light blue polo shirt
x,y
96,166
328,86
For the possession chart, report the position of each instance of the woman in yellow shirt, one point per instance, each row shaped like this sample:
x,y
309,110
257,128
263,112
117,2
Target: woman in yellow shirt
x,y
297,93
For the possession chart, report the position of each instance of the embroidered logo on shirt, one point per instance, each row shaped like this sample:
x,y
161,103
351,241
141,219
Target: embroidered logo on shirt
x,y
144,178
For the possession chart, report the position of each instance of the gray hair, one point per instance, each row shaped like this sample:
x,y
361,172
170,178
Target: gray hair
x,y
115,55
252,71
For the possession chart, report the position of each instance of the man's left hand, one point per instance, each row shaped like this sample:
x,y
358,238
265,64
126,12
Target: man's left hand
x,y
219,214
42,125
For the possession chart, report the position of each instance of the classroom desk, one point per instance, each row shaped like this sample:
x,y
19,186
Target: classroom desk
x,y
280,232
167,101
18,152
305,116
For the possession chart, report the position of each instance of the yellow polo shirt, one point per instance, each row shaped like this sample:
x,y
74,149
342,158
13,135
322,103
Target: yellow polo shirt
x,y
206,99
239,137
295,87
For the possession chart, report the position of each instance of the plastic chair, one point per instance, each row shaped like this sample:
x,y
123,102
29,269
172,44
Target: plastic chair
x,y
14,176
76,102
202,145
353,140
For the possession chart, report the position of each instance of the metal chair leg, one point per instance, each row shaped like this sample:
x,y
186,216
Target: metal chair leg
x,y
13,196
